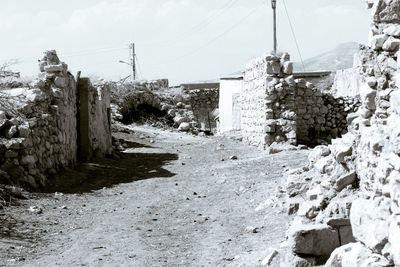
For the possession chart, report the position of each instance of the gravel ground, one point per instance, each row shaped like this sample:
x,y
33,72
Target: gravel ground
x,y
172,200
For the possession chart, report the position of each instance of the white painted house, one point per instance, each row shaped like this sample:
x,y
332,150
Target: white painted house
x,y
229,103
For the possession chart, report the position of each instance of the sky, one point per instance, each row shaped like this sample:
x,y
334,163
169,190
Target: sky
x,y
182,40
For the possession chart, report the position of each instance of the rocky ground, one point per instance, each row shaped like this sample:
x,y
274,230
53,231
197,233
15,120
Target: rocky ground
x,y
171,200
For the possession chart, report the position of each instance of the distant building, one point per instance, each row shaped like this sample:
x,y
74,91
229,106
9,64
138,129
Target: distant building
x,y
229,102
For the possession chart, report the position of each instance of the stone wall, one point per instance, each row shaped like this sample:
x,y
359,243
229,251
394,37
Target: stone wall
x,y
278,108
354,193
203,103
95,120
38,135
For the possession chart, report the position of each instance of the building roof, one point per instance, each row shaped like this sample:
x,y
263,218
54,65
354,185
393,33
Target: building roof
x,y
312,74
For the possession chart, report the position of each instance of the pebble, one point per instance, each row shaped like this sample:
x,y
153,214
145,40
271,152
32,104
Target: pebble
x,y
35,209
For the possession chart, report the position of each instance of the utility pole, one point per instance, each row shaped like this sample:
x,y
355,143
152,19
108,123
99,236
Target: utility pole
x,y
133,61
273,3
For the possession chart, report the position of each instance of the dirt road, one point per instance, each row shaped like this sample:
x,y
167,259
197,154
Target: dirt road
x,y
172,200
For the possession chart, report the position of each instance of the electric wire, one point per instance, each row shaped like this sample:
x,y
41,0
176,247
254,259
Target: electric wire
x,y
199,27
220,35
294,35
139,68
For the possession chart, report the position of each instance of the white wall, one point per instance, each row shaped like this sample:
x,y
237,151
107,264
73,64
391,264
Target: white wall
x,y
347,83
229,116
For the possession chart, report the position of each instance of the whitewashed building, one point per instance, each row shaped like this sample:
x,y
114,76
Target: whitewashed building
x,y
229,103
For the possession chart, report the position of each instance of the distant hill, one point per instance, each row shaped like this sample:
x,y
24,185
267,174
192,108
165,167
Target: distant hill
x,y
339,58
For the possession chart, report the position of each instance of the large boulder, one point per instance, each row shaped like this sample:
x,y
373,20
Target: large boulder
x,y
315,240
386,11
369,221
355,254
184,127
394,239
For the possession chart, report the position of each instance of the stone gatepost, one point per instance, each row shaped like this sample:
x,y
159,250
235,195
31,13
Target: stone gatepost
x,y
267,106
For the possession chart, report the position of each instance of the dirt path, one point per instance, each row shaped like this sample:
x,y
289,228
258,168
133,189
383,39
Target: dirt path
x,y
193,207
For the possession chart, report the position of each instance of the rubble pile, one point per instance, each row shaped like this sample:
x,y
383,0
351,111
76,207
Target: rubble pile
x,y
347,199
278,108
172,109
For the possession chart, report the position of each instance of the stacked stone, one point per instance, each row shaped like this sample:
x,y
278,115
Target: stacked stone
x,y
203,103
357,178
42,136
259,124
278,108
155,85
177,108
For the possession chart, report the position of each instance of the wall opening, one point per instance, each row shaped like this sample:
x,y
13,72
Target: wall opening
x,y
146,114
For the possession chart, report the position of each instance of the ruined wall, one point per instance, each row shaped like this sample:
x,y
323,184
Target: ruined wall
x,y
203,103
278,108
94,120
43,137
38,135
354,193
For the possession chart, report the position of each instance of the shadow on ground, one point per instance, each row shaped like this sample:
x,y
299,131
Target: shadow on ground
x,y
107,172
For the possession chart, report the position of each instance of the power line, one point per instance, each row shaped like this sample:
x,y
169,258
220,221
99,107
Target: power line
x,y
201,26
92,52
294,35
220,35
139,69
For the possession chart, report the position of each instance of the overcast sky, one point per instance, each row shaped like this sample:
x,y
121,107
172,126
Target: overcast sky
x,y
183,40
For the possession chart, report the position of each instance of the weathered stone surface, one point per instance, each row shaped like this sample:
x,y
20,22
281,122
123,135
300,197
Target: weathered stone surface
x,y
355,254
386,11
345,180
317,153
273,67
60,82
391,44
346,235
377,41
288,68
318,240
184,127
342,151
179,120
369,222
393,30
394,238
54,68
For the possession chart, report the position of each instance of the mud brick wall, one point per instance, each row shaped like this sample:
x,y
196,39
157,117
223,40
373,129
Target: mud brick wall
x,y
39,134
278,108
203,103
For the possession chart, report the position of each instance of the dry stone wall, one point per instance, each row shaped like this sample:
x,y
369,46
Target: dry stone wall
x,y
203,103
278,108
38,135
188,109
352,186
